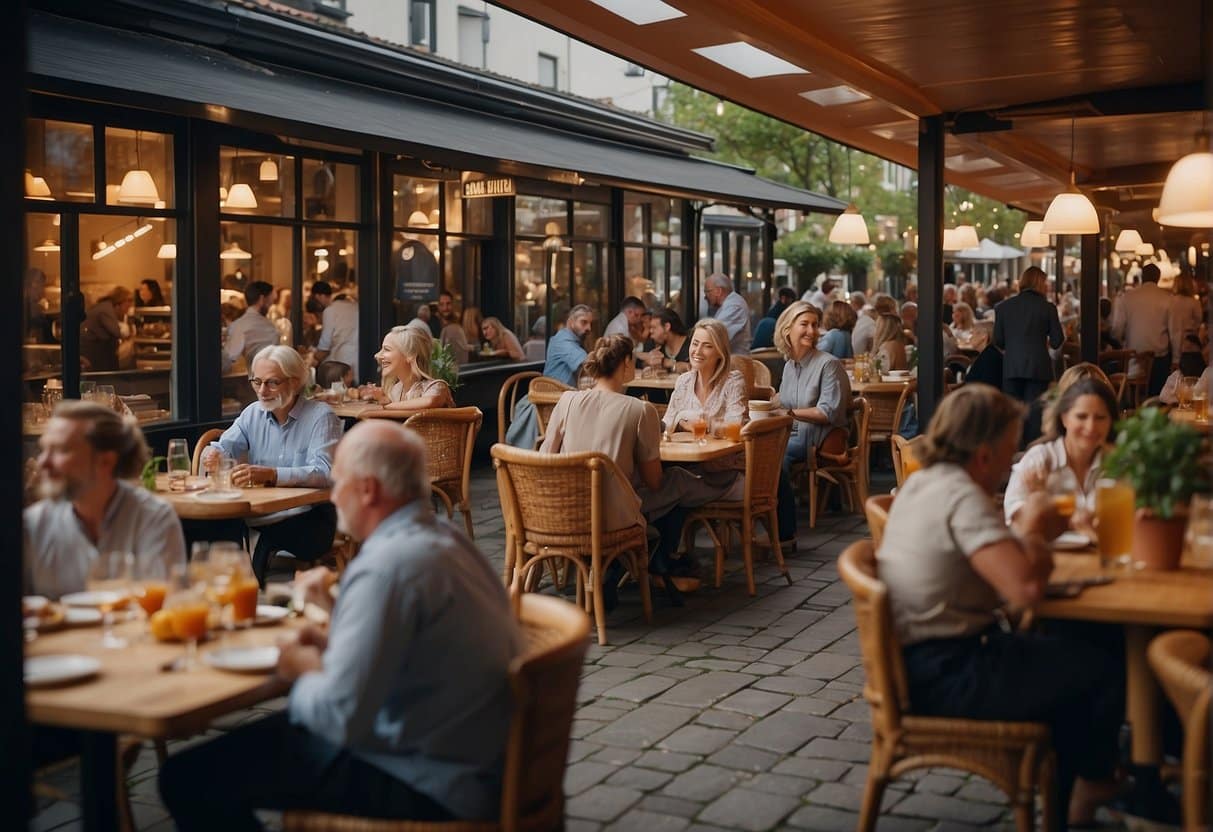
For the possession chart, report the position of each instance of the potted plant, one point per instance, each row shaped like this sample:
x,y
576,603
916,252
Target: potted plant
x,y
1161,460
443,365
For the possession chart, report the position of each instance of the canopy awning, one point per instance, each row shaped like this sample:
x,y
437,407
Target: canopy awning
x,y
987,252
219,85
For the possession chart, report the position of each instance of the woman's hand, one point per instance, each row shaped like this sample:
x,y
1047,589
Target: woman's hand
x,y
1036,480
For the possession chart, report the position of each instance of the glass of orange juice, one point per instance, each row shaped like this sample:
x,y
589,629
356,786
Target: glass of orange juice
x,y
1114,512
731,431
1063,488
189,613
150,586
1200,403
698,424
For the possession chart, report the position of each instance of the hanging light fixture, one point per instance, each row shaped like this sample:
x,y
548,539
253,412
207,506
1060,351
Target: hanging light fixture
x,y
1071,212
268,171
1032,236
850,227
1145,250
1187,195
240,195
47,245
36,187
720,108
418,219
168,251
966,237
1127,240
234,252
137,186
949,240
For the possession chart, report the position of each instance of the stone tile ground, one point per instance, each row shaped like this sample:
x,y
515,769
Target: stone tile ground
x,y
730,713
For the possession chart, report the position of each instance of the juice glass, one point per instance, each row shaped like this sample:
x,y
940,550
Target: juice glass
x,y
699,426
1114,511
188,616
1200,403
731,431
243,594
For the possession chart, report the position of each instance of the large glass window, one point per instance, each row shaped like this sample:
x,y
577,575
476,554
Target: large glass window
x,y
654,249
138,168
59,161
41,353
258,184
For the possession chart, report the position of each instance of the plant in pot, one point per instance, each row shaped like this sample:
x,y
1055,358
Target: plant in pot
x,y
1161,460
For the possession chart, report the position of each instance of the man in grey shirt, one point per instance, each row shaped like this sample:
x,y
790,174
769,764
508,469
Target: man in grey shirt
x,y
252,331
87,450
730,309
339,336
403,709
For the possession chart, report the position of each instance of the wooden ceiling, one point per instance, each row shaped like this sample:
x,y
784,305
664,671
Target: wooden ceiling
x,y
1008,76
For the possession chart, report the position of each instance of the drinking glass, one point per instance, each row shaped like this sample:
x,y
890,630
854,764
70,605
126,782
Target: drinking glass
x,y
235,584
87,389
1184,391
109,575
1063,489
731,430
188,615
699,425
179,463
1198,539
1114,512
221,477
1200,402
107,396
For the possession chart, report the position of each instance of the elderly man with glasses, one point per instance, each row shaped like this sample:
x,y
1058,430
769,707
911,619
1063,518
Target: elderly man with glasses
x,y
280,439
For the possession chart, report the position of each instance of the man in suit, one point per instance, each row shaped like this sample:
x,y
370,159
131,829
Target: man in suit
x,y
1025,326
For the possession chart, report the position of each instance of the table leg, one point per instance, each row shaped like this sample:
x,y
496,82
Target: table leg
x,y
1142,705
99,781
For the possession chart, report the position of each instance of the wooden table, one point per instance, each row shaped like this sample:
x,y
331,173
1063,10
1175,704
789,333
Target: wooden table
x,y
132,695
352,410
665,382
252,502
1143,603
1188,417
682,447
858,387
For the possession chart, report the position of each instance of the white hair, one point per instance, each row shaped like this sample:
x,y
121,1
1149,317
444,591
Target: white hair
x,y
390,454
286,358
719,281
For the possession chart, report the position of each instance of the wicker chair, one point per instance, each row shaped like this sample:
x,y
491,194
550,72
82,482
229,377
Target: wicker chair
x,y
886,402
1015,756
903,448
765,442
1180,660
205,439
544,682
450,435
554,505
848,472
877,510
544,394
507,399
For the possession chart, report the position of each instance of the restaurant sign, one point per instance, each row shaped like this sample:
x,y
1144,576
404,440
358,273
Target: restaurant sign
x,y
488,187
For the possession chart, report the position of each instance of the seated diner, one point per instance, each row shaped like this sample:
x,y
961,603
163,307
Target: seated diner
x,y
404,361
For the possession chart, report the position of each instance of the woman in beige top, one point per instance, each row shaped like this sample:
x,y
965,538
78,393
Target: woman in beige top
x,y
404,361
504,343
968,335
710,386
889,344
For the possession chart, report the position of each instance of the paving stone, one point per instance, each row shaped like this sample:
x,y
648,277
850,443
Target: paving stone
x,y
580,776
697,739
689,649
783,784
663,760
716,664
830,749
639,819
857,711
743,758
824,770
580,825
823,666
764,642
678,673
948,808
784,732
644,726
602,803
659,663
725,719
615,756
640,688
580,749
704,690
665,805
791,685
749,810
939,784
724,639
846,797
762,669
703,783
812,705
754,702
635,777
739,653
982,791
603,679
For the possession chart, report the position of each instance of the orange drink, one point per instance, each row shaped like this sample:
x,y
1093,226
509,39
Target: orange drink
x,y
1114,511
189,620
151,596
731,431
243,594
1200,402
699,428
1065,504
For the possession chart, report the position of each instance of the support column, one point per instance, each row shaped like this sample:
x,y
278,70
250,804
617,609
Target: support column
x,y
1059,266
930,266
1088,298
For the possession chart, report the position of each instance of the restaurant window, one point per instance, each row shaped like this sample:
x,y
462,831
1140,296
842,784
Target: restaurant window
x,y
548,71
733,245
473,37
107,253
654,247
423,31
256,184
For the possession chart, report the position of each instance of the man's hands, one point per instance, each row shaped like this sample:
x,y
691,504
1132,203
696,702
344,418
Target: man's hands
x,y
245,475
301,653
313,586
209,461
1038,516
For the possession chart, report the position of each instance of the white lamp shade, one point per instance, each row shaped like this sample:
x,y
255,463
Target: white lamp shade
x,y
168,251
36,187
1192,256
47,245
949,240
1071,213
418,219
234,252
1033,237
1145,250
849,228
1187,196
1127,240
966,237
222,194
268,171
241,196
138,188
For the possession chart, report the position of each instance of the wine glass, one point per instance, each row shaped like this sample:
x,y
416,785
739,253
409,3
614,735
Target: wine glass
x,y
109,576
149,584
179,464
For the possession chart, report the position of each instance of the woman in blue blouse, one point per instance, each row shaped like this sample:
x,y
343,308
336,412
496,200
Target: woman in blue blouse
x,y
840,320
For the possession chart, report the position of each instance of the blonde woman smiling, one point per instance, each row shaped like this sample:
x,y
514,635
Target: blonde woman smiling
x,y
404,361
710,386
502,342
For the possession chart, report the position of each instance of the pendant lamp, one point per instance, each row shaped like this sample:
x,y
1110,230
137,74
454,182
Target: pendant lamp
x,y
1071,212
1128,240
850,227
168,251
418,219
36,187
1187,195
138,187
949,240
1145,250
1033,237
47,245
234,252
268,171
240,195
966,237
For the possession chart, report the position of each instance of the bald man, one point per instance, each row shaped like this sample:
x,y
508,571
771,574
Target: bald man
x,y
403,709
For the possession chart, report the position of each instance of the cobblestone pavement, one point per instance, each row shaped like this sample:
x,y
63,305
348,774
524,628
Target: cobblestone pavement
x,y
730,713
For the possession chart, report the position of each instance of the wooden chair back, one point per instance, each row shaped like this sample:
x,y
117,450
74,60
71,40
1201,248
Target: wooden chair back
x,y
203,441
885,685
762,373
544,394
1115,361
765,442
884,399
904,449
1180,660
450,436
877,511
507,400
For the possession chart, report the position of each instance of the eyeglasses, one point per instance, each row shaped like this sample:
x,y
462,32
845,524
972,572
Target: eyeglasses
x,y
272,383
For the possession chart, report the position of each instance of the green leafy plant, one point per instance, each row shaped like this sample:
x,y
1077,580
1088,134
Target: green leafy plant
x,y
808,257
1160,459
443,364
855,261
148,475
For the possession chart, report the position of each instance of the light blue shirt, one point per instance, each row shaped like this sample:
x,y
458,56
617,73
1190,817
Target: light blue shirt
x,y
565,357
734,313
837,342
300,450
415,674
817,380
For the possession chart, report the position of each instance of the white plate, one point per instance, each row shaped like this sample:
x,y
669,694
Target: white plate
x,y
269,614
895,378
243,659
219,496
81,616
54,670
1071,540
98,598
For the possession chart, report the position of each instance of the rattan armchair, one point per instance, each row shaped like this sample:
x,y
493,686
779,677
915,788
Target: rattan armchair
x,y
450,435
555,506
848,472
1017,757
507,399
765,442
544,394
886,402
902,449
877,510
1180,660
544,682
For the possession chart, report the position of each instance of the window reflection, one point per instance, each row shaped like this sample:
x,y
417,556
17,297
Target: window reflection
x,y
58,160
539,215
415,274
415,202
42,357
330,191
